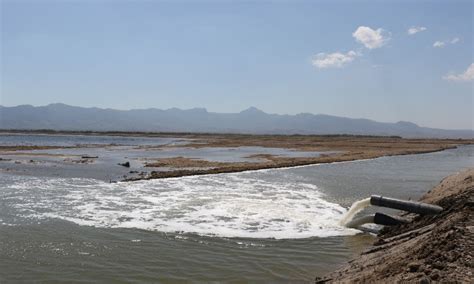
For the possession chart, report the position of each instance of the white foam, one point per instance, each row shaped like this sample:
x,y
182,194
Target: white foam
x,y
356,207
230,205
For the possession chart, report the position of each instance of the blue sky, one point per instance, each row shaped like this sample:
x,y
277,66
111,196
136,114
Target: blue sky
x,y
345,58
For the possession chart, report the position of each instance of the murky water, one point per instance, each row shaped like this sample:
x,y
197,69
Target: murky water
x,y
266,225
63,140
109,152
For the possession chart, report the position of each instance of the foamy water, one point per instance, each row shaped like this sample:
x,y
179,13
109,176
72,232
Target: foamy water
x,y
35,247
356,207
231,205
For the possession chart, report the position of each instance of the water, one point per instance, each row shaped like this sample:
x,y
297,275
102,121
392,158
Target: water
x,y
235,205
268,225
113,150
63,140
356,207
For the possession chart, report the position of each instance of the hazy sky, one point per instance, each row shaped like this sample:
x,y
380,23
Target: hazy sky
x,y
386,61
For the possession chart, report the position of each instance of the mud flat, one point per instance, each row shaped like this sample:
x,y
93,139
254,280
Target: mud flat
x,y
429,249
163,155
338,148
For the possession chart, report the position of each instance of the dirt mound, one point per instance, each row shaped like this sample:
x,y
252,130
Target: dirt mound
x,y
430,248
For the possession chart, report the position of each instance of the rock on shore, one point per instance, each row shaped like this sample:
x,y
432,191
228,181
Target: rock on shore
x,y
429,249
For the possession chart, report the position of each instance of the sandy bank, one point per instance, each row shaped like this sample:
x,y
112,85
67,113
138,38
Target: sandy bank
x,y
431,248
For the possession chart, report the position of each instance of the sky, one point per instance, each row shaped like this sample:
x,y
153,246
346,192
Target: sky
x,y
383,60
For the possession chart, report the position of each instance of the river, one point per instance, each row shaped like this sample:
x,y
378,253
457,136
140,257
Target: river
x,y
266,225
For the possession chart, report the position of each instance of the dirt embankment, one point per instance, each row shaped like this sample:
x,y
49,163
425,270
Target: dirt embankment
x,y
429,249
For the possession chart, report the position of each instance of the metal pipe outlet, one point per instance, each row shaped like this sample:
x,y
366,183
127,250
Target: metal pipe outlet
x,y
377,218
409,206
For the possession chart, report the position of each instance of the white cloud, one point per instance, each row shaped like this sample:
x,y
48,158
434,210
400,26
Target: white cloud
x,y
415,30
370,38
333,60
439,44
454,40
468,75
443,43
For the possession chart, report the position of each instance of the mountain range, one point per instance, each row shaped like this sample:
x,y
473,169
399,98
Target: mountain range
x,y
251,120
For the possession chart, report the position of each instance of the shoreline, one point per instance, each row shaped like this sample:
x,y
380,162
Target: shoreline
x,y
301,150
251,167
430,248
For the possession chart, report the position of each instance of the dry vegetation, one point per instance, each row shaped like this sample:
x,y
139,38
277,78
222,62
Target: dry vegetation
x,y
181,162
28,148
325,143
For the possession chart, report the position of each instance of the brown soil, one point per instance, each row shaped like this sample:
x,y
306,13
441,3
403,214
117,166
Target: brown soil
x,y
431,248
271,161
350,148
35,154
181,162
26,148
324,143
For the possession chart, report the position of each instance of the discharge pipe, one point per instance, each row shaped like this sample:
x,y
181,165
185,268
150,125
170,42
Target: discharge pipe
x,y
377,218
409,206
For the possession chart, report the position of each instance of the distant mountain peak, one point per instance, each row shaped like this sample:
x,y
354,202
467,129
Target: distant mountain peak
x,y
58,105
191,110
252,120
199,110
252,110
407,124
